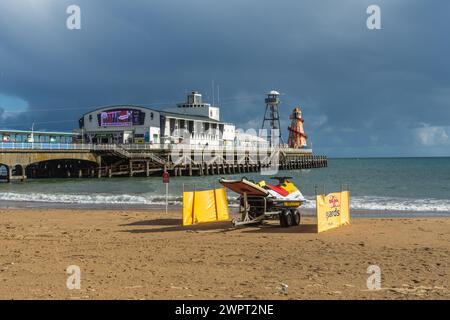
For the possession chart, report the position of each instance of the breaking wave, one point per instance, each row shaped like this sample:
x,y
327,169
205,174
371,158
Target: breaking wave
x,y
394,204
143,199
357,203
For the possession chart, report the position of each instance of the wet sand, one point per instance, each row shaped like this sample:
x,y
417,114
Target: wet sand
x,y
140,254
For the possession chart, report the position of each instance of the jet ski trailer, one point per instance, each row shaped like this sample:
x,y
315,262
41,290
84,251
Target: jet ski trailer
x,y
261,201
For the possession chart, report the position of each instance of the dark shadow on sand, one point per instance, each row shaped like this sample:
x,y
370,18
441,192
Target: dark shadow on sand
x,y
275,228
155,222
172,225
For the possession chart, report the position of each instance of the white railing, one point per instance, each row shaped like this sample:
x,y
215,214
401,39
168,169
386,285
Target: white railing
x,y
77,146
138,147
43,146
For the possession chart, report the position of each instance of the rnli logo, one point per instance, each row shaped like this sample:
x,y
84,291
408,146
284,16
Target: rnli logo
x,y
333,202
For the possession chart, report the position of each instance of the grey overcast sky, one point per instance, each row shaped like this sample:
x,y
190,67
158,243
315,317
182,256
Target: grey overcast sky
x,y
364,92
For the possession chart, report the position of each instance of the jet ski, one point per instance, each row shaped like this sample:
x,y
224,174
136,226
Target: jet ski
x,y
262,201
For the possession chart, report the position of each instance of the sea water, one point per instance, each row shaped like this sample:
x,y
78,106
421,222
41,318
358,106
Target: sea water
x,y
407,185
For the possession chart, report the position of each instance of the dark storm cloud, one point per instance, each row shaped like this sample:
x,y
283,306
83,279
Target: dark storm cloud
x,y
363,92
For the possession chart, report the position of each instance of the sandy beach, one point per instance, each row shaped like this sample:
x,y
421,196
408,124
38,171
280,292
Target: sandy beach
x,y
148,255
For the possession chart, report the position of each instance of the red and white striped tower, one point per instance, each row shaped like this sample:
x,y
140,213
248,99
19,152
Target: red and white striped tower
x,y
297,135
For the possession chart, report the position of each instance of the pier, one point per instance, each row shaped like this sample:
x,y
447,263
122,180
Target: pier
x,y
21,161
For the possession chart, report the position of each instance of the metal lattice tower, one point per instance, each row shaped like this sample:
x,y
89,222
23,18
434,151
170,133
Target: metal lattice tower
x,y
271,116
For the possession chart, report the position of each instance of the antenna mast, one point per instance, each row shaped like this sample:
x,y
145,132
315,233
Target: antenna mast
x,y
213,91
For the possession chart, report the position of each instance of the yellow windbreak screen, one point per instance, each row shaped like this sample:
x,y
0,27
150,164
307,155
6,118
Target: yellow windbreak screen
x,y
333,210
221,205
345,207
188,207
204,206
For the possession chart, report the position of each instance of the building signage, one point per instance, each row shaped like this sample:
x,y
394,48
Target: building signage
x,y
121,118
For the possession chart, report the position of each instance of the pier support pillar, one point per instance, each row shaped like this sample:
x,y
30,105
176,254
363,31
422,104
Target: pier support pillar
x,y
147,168
130,164
9,174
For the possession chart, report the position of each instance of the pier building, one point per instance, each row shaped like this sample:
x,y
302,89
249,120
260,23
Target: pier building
x,y
130,140
193,122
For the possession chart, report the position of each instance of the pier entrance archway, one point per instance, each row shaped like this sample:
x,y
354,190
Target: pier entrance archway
x,y
17,170
4,171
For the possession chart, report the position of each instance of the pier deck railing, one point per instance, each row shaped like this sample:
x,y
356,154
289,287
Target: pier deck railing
x,y
135,147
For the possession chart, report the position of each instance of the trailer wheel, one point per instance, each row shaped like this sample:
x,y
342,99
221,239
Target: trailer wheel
x,y
286,219
296,217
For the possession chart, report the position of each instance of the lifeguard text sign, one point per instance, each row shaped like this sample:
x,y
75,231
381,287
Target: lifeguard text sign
x,y
333,210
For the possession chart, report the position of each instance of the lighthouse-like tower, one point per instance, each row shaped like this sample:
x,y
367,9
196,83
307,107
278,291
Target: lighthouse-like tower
x,y
297,137
271,116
